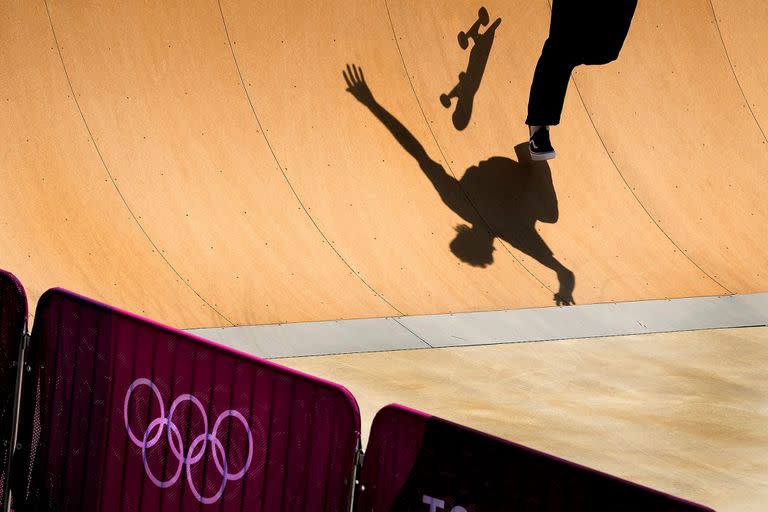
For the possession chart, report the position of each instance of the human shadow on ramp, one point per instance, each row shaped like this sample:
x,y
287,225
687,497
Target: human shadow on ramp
x,y
498,198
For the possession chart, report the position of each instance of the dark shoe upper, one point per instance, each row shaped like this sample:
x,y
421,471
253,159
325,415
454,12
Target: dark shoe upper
x,y
540,142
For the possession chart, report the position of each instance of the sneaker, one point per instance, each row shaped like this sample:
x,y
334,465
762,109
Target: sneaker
x,y
540,146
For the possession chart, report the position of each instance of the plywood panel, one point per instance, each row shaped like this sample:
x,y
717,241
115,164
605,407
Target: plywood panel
x,y
675,121
161,93
368,194
62,223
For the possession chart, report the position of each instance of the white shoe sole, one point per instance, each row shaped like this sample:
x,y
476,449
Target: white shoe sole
x,y
540,157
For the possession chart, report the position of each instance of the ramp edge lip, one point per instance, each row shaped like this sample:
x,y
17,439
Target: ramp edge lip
x,y
528,325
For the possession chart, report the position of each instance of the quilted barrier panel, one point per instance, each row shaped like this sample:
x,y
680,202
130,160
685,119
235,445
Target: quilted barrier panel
x,y
135,416
420,463
13,318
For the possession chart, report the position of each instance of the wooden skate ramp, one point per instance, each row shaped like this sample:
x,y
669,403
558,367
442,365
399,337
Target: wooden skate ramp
x,y
202,163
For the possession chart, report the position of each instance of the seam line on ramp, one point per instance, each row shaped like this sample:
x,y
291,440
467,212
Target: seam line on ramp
x,y
112,178
629,188
447,162
733,70
639,202
285,176
400,321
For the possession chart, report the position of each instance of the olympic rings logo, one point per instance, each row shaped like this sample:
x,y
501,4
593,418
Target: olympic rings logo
x,y
197,448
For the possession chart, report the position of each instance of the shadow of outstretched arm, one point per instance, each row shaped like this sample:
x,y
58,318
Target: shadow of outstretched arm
x,y
358,88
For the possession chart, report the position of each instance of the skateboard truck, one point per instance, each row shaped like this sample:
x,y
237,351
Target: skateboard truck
x,y
473,32
445,99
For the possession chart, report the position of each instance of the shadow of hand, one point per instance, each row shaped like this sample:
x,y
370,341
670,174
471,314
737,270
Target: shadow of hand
x,y
356,85
564,296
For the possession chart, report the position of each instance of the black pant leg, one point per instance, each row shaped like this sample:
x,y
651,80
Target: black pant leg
x,y
549,86
553,71
580,32
604,29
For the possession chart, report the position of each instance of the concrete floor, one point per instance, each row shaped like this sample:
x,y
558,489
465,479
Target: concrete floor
x,y
685,413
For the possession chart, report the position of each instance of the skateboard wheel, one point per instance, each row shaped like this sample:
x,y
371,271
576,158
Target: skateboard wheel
x,y
445,100
463,40
482,15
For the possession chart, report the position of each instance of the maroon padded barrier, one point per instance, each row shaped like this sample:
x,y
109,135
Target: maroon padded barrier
x,y
13,319
420,463
135,416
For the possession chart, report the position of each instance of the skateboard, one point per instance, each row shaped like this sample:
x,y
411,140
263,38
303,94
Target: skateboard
x,y
469,80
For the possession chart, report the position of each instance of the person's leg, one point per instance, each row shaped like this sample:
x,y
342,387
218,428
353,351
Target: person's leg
x,y
549,86
545,104
551,77
553,71
605,29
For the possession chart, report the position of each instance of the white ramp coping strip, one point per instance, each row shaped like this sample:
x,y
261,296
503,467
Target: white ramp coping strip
x,y
316,338
489,327
617,319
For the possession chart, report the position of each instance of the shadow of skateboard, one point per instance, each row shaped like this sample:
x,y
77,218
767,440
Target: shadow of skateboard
x,y
469,80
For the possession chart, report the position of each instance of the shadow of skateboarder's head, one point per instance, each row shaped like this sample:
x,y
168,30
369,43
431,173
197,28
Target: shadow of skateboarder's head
x,y
473,245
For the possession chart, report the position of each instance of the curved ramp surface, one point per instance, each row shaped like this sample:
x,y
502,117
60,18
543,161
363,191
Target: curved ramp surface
x,y
202,163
